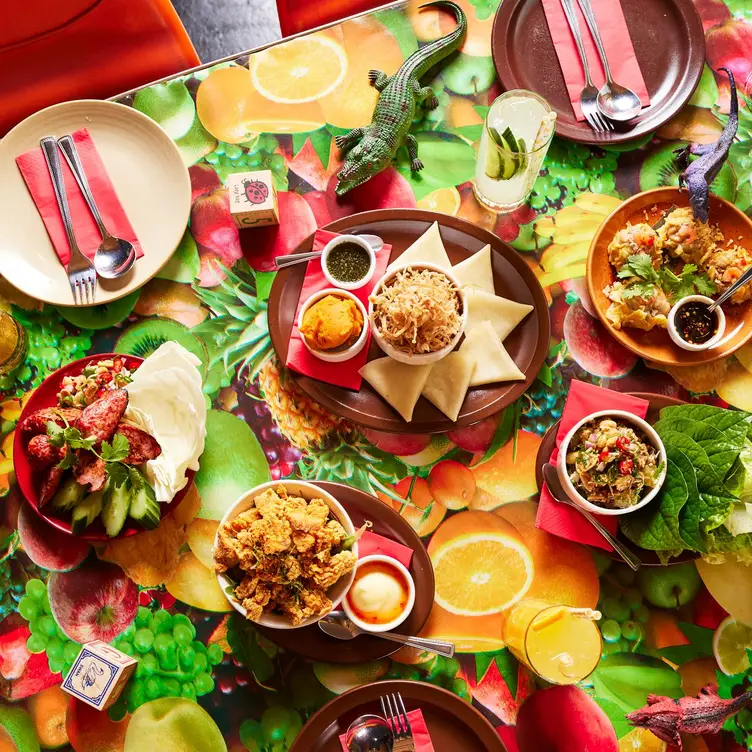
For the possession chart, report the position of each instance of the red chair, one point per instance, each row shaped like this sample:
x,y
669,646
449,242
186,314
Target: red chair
x,y
53,51
300,15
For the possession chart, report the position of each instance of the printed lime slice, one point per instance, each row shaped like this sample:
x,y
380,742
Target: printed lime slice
x,y
731,641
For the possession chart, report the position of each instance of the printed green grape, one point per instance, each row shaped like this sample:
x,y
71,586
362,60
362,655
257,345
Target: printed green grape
x,y
611,631
182,634
615,608
143,640
36,644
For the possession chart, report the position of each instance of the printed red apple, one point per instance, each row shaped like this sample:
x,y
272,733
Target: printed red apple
x,y
46,546
296,222
91,730
403,444
591,345
478,437
728,44
562,719
317,201
203,180
712,12
97,601
215,234
387,190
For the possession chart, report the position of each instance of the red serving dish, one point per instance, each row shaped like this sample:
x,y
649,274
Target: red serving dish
x,y
45,395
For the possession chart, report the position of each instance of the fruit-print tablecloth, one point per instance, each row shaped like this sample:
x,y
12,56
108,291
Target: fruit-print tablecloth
x,y
206,679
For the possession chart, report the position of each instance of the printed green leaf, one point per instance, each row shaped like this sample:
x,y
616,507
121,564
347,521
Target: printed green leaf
x,y
628,678
397,22
448,160
241,636
264,282
656,526
700,645
616,715
502,435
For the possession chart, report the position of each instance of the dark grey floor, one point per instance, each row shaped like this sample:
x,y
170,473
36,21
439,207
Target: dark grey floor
x,y
222,27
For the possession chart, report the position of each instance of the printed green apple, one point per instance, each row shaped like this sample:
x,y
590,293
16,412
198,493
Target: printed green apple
x,y
669,587
170,105
469,75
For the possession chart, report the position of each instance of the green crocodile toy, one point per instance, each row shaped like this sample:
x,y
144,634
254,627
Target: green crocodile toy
x,y
370,150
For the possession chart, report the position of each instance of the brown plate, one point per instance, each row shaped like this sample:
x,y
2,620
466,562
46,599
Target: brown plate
x,y
454,725
656,345
513,278
548,444
668,40
311,642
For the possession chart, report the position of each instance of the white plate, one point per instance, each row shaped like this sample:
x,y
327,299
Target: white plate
x,y
150,179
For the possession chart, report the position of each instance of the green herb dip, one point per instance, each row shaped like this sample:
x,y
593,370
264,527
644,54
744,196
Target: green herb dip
x,y
348,262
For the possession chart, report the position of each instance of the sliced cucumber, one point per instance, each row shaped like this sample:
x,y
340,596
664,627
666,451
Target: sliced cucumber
x,y
86,511
522,156
145,507
116,506
70,493
500,164
493,163
508,136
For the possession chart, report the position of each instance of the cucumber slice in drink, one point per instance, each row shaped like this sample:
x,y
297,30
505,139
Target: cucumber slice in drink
x,y
500,164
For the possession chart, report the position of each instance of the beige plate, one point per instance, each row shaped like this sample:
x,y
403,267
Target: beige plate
x,y
656,345
148,174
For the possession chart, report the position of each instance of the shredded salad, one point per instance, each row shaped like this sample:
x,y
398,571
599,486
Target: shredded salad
x,y
611,463
418,311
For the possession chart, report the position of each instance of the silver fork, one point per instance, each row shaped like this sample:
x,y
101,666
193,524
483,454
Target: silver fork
x,y
589,95
403,734
81,274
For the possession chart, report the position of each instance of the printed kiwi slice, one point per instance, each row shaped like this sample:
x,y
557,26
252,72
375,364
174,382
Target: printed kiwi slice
x,y
100,316
143,338
659,169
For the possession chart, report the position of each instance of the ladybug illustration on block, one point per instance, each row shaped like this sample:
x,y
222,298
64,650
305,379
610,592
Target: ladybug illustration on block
x,y
256,192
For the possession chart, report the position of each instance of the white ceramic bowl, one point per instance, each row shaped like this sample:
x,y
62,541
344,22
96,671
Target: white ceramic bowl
x,y
422,358
410,596
673,332
625,417
331,245
307,491
337,356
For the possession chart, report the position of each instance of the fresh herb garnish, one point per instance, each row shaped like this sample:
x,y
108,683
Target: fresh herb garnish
x,y
676,286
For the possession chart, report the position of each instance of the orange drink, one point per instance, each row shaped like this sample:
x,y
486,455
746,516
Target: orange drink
x,y
559,643
12,344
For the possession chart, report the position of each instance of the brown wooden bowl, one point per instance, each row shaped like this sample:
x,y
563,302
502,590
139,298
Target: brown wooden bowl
x,y
513,279
656,345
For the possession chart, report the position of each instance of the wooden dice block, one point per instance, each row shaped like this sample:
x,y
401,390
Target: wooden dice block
x,y
99,674
253,199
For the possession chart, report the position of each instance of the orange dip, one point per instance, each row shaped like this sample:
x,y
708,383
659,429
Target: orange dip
x,y
331,322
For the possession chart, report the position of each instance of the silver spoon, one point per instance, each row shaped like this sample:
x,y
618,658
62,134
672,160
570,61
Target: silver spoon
x,y
297,258
336,624
551,476
615,101
369,733
724,296
114,257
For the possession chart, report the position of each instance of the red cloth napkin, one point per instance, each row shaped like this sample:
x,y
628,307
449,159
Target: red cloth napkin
x,y
562,520
34,170
298,357
619,50
421,736
371,543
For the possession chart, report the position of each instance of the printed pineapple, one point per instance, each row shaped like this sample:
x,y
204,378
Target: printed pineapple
x,y
292,428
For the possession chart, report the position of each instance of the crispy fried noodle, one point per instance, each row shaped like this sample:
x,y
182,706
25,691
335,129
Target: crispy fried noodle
x,y
418,311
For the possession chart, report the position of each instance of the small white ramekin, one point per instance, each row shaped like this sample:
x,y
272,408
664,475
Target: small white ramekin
x,y
331,245
420,359
307,491
410,595
617,415
340,355
673,332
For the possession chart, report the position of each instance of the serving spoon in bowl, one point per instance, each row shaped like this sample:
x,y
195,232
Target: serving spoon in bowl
x,y
337,625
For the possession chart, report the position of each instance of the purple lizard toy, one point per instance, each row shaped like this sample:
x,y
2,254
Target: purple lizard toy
x,y
698,175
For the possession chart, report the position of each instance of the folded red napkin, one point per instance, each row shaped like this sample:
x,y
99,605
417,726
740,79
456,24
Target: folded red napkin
x,y
343,374
619,50
34,170
371,543
421,737
562,520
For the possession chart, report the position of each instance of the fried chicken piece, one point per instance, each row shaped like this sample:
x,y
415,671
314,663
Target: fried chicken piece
x,y
100,419
142,447
272,534
302,541
247,587
329,537
326,575
271,502
227,553
311,602
255,603
42,453
90,470
36,423
313,516
243,520
50,481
